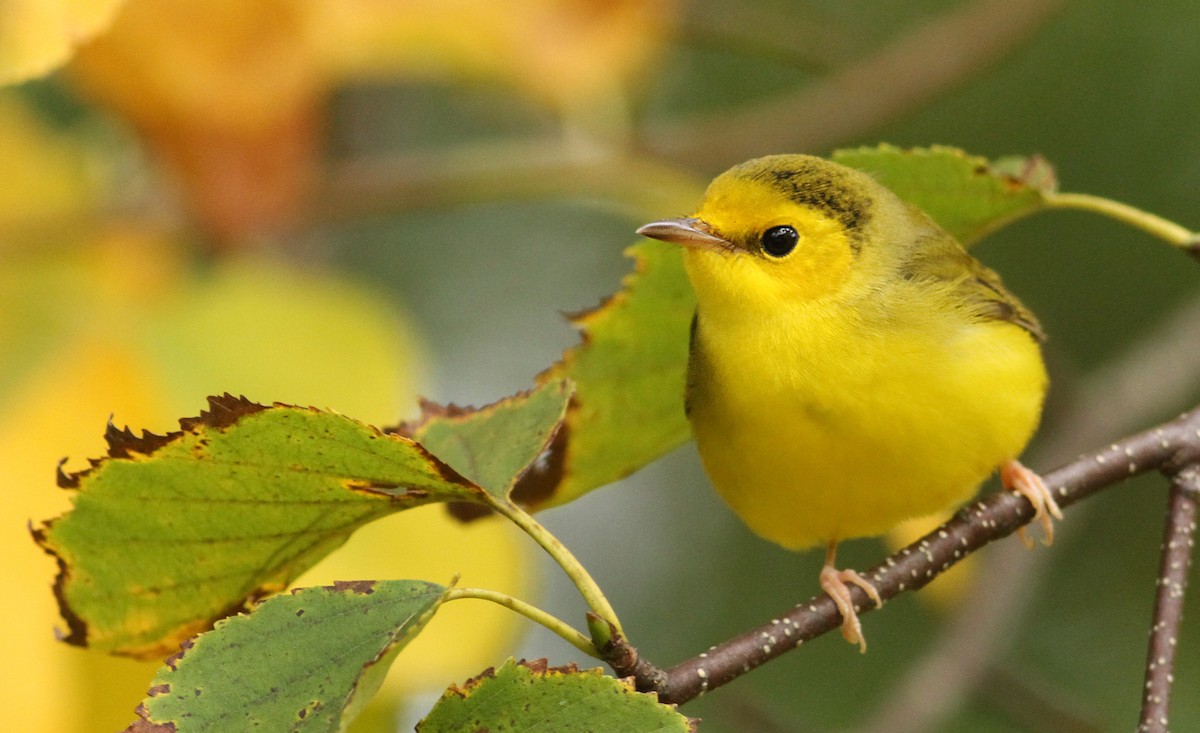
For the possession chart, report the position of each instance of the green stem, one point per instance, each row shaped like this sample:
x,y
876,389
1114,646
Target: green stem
x,y
1147,222
588,588
531,612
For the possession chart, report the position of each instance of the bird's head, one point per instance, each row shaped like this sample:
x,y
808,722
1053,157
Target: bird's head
x,y
777,230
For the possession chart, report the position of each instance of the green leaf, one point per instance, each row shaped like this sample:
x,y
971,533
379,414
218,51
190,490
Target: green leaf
x,y
628,373
301,662
468,438
965,194
529,696
170,533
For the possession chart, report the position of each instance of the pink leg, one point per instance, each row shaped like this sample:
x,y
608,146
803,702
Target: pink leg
x,y
833,582
1018,478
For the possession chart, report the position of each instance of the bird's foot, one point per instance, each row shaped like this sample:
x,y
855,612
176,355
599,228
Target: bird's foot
x,y
1018,478
833,582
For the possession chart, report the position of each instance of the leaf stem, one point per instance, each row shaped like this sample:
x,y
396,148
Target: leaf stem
x,y
579,575
531,612
1151,223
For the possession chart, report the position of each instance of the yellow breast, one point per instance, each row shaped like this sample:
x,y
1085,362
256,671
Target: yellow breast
x,y
826,422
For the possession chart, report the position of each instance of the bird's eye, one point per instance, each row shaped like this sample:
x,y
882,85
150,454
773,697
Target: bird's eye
x,y
779,241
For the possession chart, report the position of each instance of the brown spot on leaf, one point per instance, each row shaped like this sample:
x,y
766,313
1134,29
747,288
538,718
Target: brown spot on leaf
x,y
157,690
223,411
63,479
173,660
542,667
542,478
77,628
486,674
535,486
361,587
144,725
122,443
465,511
429,411
387,490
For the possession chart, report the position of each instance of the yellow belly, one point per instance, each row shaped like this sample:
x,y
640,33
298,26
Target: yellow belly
x,y
822,447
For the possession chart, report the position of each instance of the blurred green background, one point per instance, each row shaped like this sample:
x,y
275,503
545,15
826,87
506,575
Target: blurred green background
x,y
478,198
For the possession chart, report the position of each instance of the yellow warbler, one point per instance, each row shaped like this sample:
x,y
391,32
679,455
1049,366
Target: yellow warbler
x,y
851,365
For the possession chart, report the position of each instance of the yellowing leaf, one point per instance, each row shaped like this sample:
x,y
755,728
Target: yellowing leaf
x,y
38,35
170,533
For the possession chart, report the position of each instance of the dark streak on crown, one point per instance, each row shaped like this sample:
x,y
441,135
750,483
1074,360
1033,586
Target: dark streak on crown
x,y
816,185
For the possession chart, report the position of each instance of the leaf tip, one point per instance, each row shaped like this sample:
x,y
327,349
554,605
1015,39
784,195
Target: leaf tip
x,y
63,479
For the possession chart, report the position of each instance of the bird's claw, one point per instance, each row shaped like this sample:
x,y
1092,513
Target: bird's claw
x,y
833,582
1016,477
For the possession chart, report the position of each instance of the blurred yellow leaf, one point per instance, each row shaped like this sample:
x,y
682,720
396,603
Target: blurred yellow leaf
x,y
260,328
46,176
38,35
565,53
226,92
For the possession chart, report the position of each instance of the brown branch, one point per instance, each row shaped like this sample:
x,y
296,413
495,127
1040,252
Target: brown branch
x,y
976,525
1178,539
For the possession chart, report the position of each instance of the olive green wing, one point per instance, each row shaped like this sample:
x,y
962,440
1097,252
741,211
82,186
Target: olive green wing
x,y
985,287
938,257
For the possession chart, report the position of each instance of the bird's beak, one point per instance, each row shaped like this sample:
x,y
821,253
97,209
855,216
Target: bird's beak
x,y
689,232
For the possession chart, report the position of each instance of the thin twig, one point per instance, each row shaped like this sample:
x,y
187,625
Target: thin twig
x,y
1153,224
587,586
985,521
564,630
1178,539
